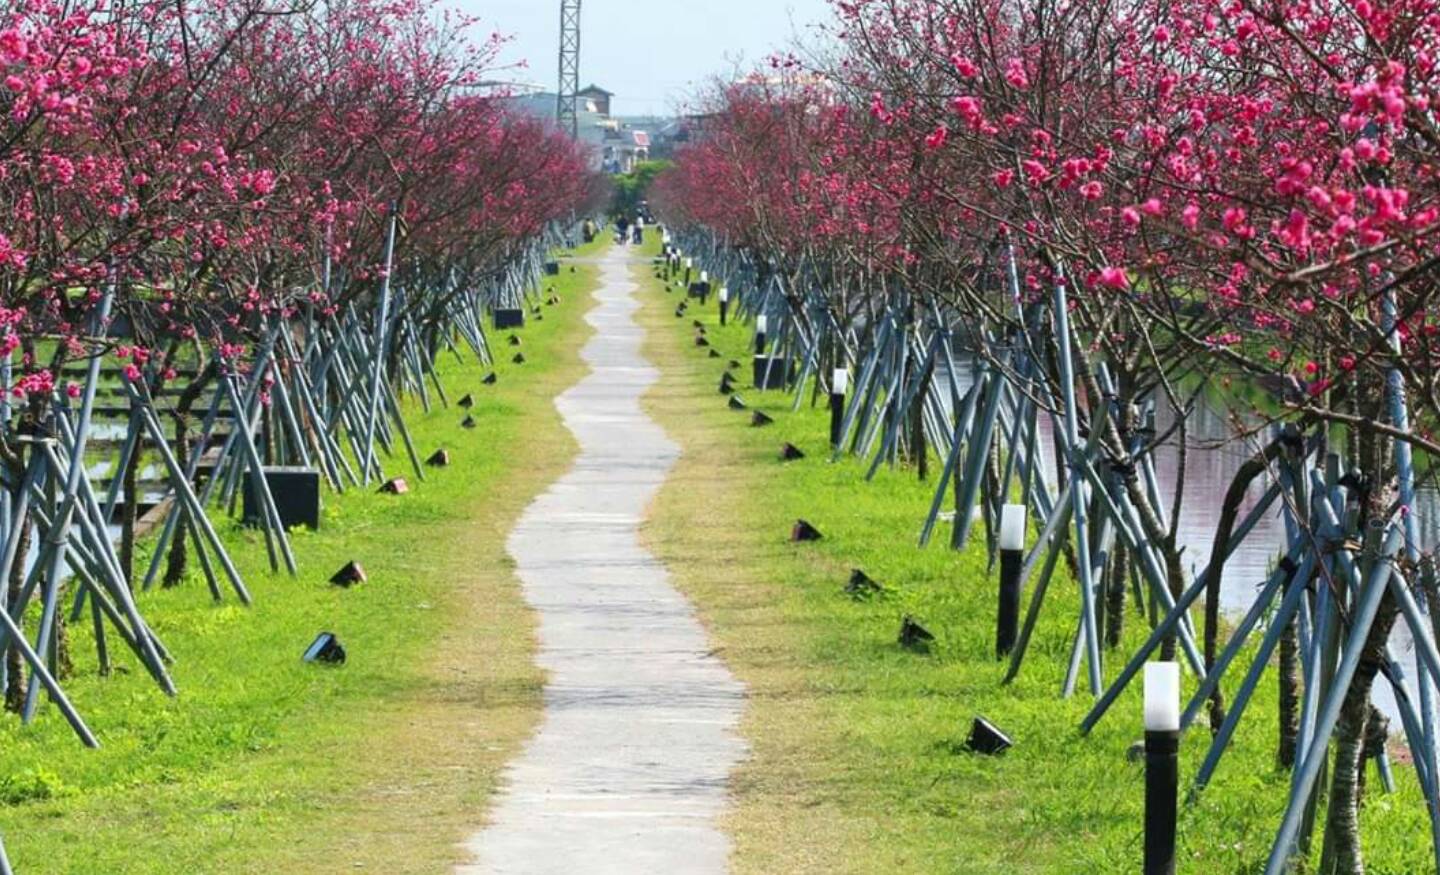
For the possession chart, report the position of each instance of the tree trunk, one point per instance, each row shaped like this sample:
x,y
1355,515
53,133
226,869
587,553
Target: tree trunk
x,y
176,559
1289,679
1115,596
922,455
14,663
1229,510
1341,853
129,511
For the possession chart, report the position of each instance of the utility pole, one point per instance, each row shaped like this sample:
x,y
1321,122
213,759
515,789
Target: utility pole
x,y
567,111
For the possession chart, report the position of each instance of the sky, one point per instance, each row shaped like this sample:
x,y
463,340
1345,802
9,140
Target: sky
x,y
651,54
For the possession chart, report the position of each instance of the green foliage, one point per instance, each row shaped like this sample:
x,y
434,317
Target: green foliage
x,y
634,187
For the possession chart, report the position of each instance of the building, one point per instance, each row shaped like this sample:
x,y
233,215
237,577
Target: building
x,y
597,97
618,143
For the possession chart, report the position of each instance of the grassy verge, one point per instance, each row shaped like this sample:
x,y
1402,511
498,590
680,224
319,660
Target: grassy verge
x,y
264,764
858,762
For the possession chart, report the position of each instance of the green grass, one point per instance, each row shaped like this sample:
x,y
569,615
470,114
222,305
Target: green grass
x,y
857,762
265,764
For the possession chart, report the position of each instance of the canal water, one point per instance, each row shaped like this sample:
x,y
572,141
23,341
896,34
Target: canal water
x,y
1215,450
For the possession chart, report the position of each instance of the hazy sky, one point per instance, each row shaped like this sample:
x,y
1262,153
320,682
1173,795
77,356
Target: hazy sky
x,y
651,54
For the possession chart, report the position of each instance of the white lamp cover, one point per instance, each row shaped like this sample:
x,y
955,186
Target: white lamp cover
x,y
689,263
724,293
1012,527
840,381
1162,696
704,276
761,323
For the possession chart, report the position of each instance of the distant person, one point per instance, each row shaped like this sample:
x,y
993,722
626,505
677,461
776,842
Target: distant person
x,y
622,228
639,233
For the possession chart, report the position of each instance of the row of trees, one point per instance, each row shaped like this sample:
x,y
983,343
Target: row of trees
x,y
1231,195
216,205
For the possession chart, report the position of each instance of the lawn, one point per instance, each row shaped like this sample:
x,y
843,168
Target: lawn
x,y
266,764
858,762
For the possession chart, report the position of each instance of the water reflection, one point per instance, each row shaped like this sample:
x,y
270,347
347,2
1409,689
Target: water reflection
x,y
1214,452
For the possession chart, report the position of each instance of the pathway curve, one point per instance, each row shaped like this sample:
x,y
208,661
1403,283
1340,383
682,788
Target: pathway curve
x,y
628,772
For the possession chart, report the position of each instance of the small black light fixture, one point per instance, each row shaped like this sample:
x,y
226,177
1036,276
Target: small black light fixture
x,y
791,453
733,364
490,379
439,459
987,738
519,358
698,324
351,574
913,636
1012,561
804,531
701,341
325,649
395,486
861,587
467,402
1162,765
514,340
736,403
714,354
468,422
760,420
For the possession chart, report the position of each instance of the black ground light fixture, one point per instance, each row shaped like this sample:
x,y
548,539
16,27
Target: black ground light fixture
x,y
914,636
490,379
519,358
439,459
325,649
761,323
714,354
395,486
468,422
759,419
986,737
1162,765
736,403
791,453
467,402
698,324
861,586
1012,560
514,340
700,340
724,299
803,531
350,575
839,383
